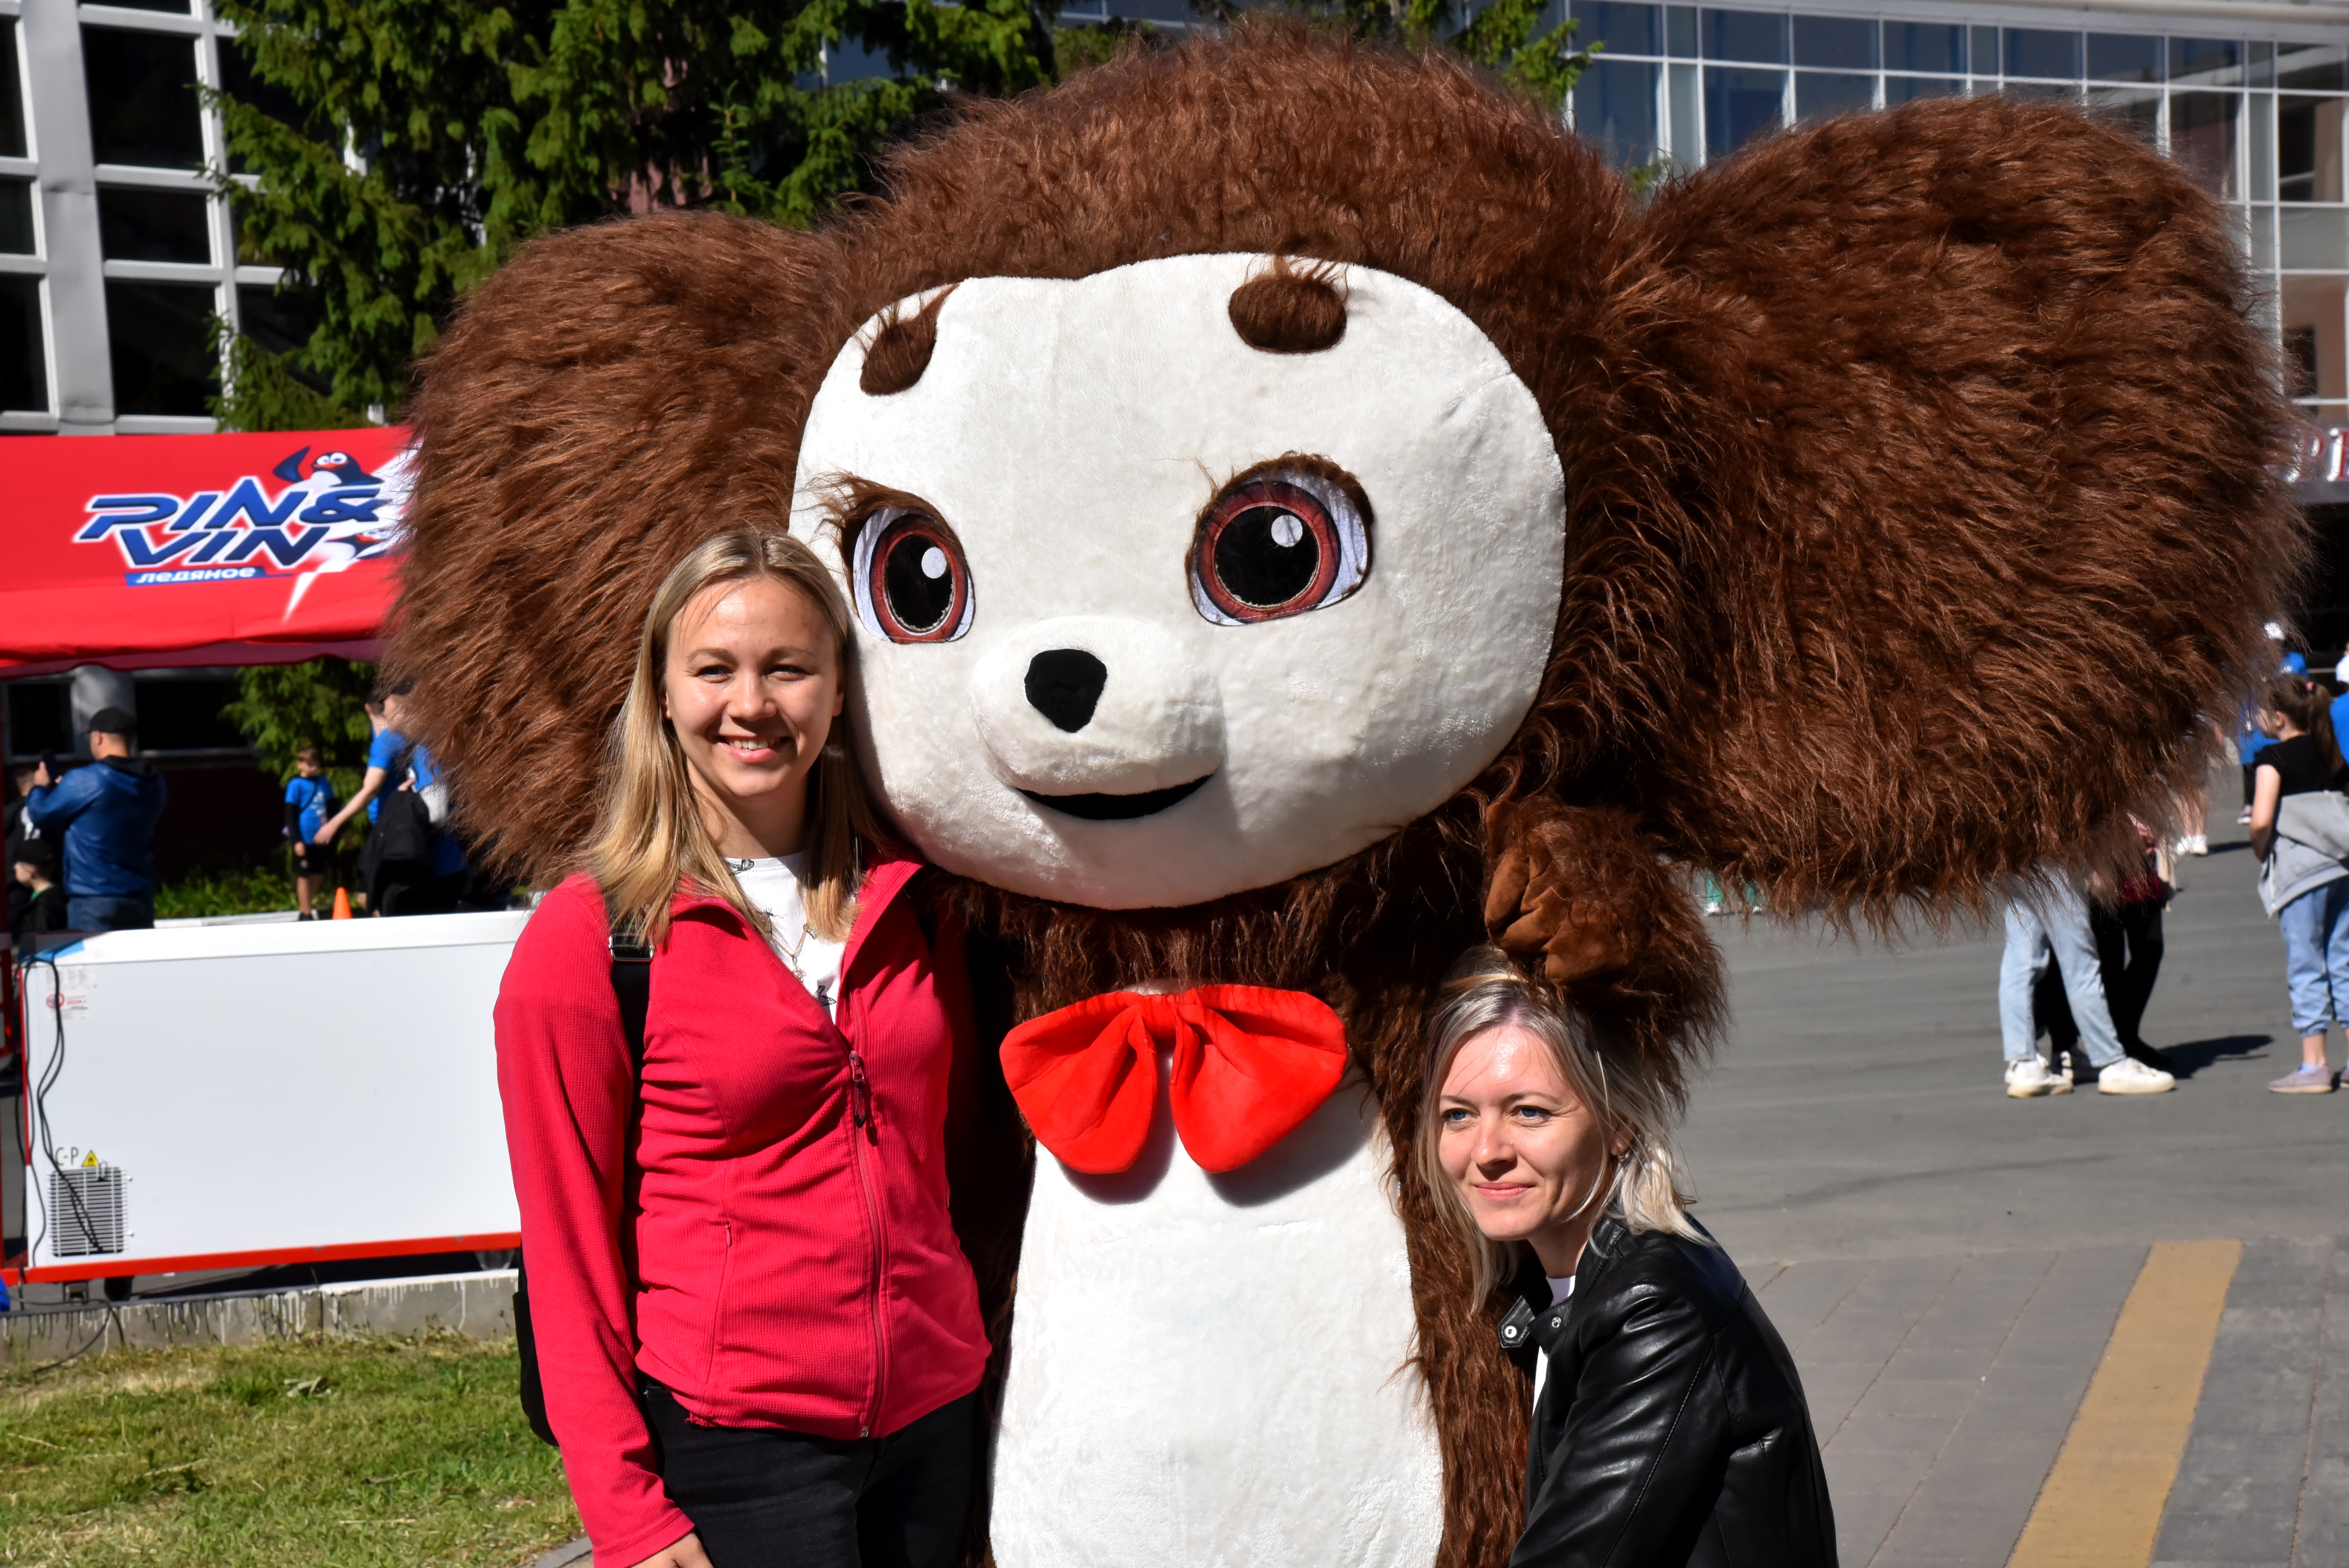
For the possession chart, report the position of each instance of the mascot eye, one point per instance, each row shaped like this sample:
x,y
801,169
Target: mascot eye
x,y
912,583
1277,543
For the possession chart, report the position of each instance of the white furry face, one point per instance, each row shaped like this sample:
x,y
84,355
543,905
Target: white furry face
x,y
1148,616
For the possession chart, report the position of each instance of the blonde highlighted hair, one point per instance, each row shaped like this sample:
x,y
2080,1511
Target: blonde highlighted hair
x,y
650,837
1632,1107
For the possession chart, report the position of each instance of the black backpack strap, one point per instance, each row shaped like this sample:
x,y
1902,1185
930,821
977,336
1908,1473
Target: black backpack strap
x,y
632,984
632,981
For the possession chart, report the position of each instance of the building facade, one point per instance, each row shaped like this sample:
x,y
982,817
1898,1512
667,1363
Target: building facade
x,y
117,252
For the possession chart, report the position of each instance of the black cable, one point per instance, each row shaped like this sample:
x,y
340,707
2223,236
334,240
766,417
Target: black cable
x,y
113,1321
41,1114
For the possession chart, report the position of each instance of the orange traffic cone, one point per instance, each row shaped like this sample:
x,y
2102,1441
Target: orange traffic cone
x,y
342,904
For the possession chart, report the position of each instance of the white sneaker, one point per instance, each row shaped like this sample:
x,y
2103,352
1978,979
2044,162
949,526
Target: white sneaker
x,y
2198,845
2029,1078
2129,1076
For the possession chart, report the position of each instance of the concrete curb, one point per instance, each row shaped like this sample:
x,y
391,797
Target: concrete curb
x,y
573,1553
478,1306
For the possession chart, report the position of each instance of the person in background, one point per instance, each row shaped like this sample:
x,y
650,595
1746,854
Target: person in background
x,y
2305,889
2126,924
2050,918
308,798
425,883
33,870
104,815
2253,740
19,832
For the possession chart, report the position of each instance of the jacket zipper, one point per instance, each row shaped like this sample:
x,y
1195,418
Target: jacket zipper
x,y
860,1099
863,1119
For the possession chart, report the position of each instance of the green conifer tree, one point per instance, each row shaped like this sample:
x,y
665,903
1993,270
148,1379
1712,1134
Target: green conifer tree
x,y
403,149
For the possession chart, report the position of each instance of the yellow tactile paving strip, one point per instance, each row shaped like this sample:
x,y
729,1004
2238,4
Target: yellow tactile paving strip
x,y
2101,1506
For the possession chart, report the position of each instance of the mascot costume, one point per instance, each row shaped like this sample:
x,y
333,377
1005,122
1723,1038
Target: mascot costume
x,y
1305,516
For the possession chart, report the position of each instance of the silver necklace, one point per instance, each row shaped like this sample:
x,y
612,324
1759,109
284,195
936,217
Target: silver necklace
x,y
790,955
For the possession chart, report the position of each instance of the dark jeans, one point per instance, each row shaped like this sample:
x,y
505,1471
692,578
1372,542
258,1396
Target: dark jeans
x,y
94,912
2128,953
765,1498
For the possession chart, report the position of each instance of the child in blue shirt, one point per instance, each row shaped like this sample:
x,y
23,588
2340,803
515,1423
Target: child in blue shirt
x,y
308,801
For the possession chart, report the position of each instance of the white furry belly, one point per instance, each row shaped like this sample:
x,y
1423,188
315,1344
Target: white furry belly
x,y
1207,1371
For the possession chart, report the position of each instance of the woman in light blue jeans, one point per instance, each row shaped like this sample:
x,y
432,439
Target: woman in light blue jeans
x,y
2306,889
2050,917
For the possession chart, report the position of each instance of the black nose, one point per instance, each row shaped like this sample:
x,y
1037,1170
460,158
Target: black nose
x,y
1064,683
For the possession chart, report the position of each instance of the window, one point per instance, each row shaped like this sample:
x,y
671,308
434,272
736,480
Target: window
x,y
1679,30
12,93
1898,91
1740,105
159,335
1822,93
182,713
280,320
2202,137
238,81
2308,147
1615,105
2031,52
1745,36
1835,44
2312,317
2132,111
40,717
16,218
2124,58
154,226
2210,62
23,366
2312,67
143,108
1924,46
1624,29
2315,239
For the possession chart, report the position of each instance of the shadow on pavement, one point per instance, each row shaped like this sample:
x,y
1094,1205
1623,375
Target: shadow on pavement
x,y
2193,1056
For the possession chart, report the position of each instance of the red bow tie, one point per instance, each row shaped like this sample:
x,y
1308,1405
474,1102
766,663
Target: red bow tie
x,y
1250,1065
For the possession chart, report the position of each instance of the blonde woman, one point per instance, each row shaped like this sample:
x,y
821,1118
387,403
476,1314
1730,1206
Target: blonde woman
x,y
1669,1427
759,1340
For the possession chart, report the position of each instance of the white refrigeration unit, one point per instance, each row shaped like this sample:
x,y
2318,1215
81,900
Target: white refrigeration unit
x,y
221,1097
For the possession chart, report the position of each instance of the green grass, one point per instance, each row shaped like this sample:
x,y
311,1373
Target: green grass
x,y
358,1453
212,889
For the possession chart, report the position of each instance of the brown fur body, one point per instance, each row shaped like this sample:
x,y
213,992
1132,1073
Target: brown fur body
x,y
1921,487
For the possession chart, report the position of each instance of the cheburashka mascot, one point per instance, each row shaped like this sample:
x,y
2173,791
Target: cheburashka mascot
x,y
1304,515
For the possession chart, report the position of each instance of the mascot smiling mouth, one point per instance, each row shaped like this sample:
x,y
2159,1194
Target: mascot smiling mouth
x,y
1119,807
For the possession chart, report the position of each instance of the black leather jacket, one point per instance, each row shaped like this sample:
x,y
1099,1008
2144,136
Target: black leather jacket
x,y
1671,1428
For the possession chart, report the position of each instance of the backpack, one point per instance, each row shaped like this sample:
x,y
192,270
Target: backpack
x,y
403,821
632,984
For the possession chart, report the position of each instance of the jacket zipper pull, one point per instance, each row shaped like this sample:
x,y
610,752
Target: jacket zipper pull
x,y
860,1094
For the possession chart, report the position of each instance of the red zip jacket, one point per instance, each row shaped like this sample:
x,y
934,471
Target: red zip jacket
x,y
778,1250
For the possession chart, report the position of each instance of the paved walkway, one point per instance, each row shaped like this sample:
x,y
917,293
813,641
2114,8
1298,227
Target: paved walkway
x,y
1955,1270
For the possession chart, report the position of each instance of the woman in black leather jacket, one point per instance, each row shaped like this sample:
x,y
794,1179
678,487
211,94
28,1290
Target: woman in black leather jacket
x,y
1668,1426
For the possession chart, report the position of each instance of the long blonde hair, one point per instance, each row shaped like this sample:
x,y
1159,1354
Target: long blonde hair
x,y
649,836
1632,1108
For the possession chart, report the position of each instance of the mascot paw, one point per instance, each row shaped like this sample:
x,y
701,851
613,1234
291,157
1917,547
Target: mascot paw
x,y
1552,887
1612,923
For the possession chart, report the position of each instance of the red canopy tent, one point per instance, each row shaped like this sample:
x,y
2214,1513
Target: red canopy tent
x,y
145,552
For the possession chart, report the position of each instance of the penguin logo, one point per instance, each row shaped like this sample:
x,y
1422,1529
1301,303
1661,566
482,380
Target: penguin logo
x,y
344,468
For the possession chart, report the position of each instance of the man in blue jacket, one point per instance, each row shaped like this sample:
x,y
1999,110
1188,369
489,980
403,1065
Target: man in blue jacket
x,y
105,815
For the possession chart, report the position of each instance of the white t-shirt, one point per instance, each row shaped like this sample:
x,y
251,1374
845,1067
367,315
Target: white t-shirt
x,y
1560,1290
775,885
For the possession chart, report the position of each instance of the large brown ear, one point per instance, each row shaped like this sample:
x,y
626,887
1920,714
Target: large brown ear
x,y
611,397
1944,448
